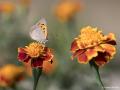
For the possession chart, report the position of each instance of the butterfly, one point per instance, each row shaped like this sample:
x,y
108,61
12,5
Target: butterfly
x,y
39,31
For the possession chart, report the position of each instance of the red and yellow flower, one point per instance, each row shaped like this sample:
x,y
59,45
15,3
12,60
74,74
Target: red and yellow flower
x,y
10,74
36,54
91,44
66,9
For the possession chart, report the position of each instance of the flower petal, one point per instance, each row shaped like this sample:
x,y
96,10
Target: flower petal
x,y
74,46
22,56
101,59
99,49
78,52
110,49
91,53
110,38
37,62
27,59
48,56
82,58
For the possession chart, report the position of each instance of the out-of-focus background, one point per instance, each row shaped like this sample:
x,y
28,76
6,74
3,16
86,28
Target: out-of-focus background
x,y
20,15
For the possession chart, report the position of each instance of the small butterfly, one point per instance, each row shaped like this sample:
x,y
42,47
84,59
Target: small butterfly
x,y
39,31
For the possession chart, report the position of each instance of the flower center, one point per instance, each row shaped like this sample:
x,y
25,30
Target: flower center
x,y
35,49
90,36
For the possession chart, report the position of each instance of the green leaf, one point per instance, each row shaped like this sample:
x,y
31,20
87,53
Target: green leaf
x,y
96,69
36,75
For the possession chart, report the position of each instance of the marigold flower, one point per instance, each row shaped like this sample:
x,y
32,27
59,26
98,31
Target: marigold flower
x,y
7,7
66,9
91,44
36,53
10,74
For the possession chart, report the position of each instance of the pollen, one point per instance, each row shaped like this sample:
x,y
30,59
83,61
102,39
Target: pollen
x,y
90,36
35,49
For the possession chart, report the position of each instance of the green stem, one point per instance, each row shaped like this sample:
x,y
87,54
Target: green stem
x,y
99,78
96,68
36,74
13,87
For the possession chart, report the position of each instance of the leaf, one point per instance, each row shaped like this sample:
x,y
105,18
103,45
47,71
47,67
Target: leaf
x,y
96,69
36,75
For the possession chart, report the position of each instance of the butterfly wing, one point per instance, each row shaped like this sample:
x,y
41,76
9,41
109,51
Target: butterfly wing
x,y
39,31
43,26
42,20
38,35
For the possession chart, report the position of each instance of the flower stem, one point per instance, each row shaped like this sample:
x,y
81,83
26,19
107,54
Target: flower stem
x,y
36,74
96,68
14,87
99,78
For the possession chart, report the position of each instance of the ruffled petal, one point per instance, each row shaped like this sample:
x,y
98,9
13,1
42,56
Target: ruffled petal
x,y
78,52
91,53
27,59
110,39
48,56
74,46
101,59
37,62
99,49
22,56
82,58
110,49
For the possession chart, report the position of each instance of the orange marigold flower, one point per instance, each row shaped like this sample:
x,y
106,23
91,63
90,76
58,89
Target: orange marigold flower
x,y
91,44
7,7
10,74
66,9
36,53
